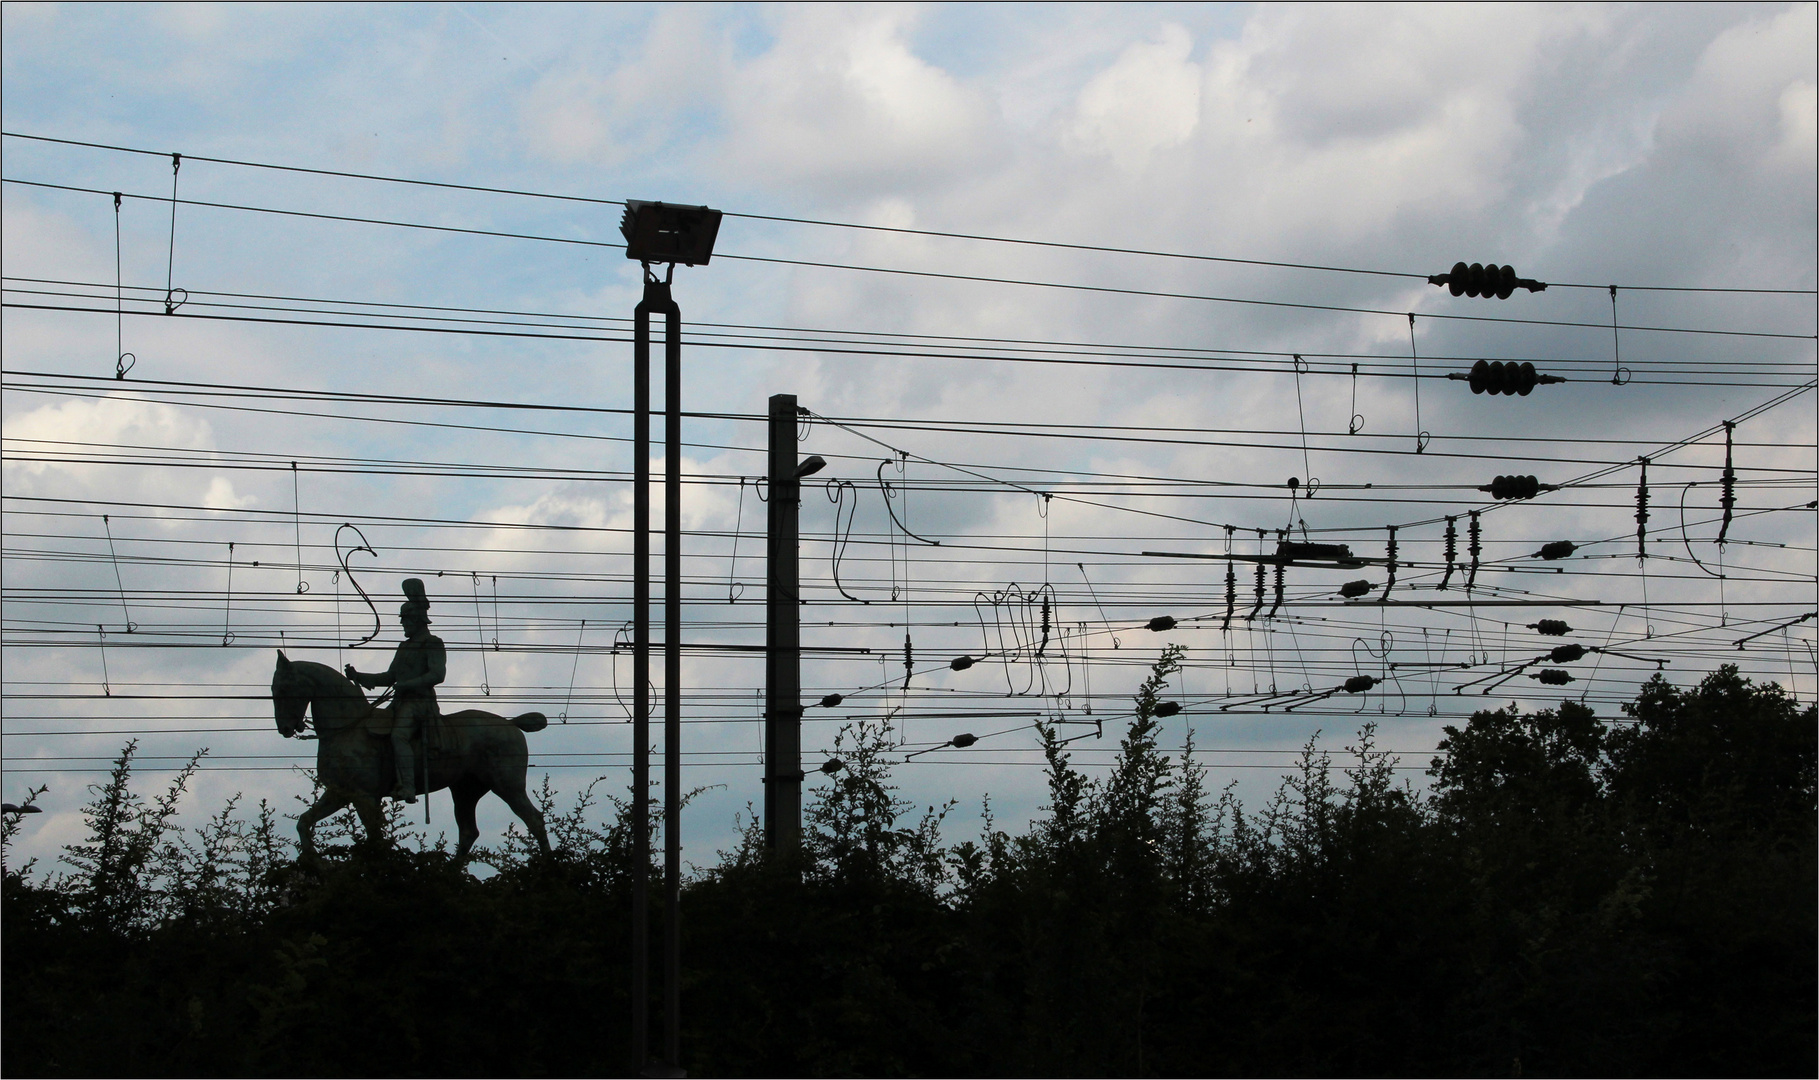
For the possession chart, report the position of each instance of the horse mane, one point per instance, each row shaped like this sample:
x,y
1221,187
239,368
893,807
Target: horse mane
x,y
327,681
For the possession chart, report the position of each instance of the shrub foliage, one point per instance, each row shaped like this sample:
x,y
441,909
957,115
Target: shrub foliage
x,y
1568,896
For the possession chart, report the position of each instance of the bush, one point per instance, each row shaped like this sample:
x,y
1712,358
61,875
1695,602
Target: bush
x,y
1572,896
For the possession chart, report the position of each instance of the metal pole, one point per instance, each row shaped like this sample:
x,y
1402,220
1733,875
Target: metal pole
x,y
641,670
783,638
672,683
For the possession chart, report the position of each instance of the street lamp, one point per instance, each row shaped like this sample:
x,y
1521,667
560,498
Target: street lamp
x,y
658,232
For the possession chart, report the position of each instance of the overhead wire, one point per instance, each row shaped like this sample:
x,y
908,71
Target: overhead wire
x,y
856,226
937,275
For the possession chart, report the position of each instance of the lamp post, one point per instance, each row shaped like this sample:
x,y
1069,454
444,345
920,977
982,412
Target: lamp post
x,y
658,233
783,774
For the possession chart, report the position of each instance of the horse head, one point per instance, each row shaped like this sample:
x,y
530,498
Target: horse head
x,y
290,697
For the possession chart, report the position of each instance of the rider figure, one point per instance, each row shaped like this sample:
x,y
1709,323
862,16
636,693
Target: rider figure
x,y
418,665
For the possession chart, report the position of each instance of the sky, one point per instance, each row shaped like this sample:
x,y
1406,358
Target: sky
x,y
1227,214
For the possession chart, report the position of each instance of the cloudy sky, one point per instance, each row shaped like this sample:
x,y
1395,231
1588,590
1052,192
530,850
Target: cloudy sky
x,y
1214,189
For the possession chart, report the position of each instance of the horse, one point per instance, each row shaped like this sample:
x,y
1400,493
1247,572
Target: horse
x,y
476,752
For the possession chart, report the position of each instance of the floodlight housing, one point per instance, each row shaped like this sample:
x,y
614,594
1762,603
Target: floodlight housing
x,y
810,465
657,232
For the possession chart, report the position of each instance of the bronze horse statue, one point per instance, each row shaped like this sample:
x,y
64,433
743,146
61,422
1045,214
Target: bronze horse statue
x,y
473,752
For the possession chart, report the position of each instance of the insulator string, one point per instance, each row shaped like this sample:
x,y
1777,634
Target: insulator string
x,y
1728,492
1452,549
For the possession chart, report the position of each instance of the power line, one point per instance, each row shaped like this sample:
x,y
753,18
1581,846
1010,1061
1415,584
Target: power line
x,y
890,229
823,338
1107,290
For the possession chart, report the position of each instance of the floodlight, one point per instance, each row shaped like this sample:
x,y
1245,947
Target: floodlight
x,y
810,465
657,232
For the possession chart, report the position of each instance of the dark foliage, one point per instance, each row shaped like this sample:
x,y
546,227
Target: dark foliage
x,y
1571,896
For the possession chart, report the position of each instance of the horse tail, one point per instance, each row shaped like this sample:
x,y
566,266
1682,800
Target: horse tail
x,y
531,721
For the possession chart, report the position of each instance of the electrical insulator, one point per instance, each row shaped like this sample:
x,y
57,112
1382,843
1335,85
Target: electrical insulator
x,y
1727,486
1486,280
1452,549
1566,654
831,700
1358,684
963,741
1552,676
1231,593
1473,534
1355,588
1497,377
1551,627
1391,562
960,663
1167,708
1515,487
1642,513
1161,623
1559,549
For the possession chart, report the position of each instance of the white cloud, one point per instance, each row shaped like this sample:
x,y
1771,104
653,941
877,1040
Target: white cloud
x,y
1148,100
841,103
69,429
589,108
1799,125
1735,100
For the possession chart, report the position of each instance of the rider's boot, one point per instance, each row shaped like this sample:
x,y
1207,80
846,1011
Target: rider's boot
x,y
406,787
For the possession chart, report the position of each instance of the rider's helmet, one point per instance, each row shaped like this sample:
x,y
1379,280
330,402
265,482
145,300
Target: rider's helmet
x,y
417,601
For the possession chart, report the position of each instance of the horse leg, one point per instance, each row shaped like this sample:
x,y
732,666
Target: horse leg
x,y
467,792
326,806
371,816
527,812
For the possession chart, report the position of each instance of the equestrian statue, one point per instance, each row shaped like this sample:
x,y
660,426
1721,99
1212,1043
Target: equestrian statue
x,y
367,751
